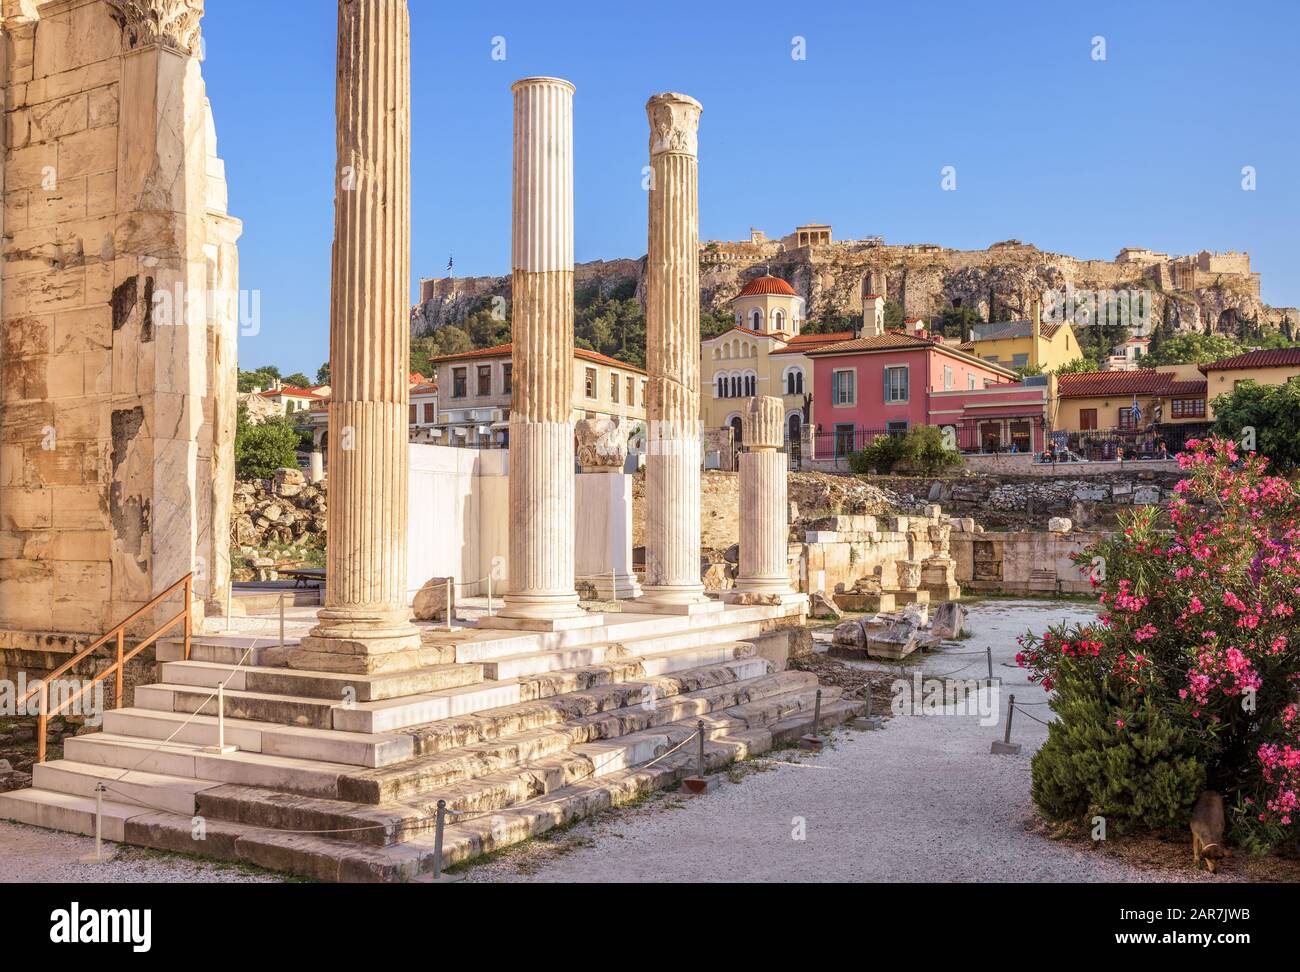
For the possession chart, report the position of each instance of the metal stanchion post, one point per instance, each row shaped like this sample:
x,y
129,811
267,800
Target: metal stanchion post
x,y
282,619
1004,746
221,749
438,876
813,741
450,593
99,857
867,720
989,653
699,783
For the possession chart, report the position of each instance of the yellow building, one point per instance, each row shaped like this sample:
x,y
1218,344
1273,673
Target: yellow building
x,y
1274,366
763,354
1020,344
1102,401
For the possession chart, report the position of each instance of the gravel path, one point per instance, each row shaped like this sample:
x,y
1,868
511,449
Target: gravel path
x,y
34,856
924,800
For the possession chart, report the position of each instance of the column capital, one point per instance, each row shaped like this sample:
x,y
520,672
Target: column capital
x,y
674,124
763,421
173,24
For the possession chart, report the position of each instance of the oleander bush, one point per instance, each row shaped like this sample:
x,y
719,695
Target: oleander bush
x,y
1190,678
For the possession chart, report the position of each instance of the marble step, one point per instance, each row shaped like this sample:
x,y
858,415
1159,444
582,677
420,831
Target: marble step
x,y
147,791
256,651
401,821
319,685
428,773
191,761
325,859
448,734
73,814
665,646
326,745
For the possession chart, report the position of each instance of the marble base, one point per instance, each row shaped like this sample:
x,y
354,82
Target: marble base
x,y
774,598
647,605
573,623
358,649
622,587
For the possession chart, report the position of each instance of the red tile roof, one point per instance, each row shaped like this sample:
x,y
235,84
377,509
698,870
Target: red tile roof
x,y
1102,384
766,285
505,350
293,392
803,343
1264,358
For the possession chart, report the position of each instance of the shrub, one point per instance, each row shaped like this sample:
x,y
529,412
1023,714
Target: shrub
x,y
1113,753
1194,656
919,450
262,449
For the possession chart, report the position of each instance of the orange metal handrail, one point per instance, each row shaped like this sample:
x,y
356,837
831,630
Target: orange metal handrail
x,y
118,668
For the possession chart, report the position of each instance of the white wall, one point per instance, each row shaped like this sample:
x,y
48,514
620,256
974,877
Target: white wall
x,y
459,520
458,514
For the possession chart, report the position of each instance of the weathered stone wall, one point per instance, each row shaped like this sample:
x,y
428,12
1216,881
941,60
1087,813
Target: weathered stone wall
x,y
119,310
1036,562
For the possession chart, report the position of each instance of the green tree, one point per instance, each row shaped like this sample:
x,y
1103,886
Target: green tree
x,y
956,323
323,374
262,449
1078,365
298,380
257,378
1272,411
1191,349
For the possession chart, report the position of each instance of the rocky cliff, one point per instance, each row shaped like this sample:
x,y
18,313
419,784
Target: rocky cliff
x,y
925,279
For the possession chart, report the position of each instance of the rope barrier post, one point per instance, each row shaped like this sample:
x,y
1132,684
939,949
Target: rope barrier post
x,y
812,741
989,653
230,603
99,857
447,606
868,721
699,783
1005,747
438,876
221,749
282,619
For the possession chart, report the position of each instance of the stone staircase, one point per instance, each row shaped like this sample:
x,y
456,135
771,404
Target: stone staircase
x,y
338,777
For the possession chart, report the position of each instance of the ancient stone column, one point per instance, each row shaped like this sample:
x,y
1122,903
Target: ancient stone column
x,y
673,582
541,591
365,623
764,529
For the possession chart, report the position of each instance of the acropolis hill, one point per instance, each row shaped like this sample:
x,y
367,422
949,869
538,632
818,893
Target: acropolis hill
x,y
1203,292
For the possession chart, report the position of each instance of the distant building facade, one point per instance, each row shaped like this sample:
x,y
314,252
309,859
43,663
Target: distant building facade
x,y
475,389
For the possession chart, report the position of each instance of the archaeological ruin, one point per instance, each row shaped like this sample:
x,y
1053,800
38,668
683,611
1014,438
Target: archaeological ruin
x,y
352,741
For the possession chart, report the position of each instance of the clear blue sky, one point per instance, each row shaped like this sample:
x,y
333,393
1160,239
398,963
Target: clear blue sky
x,y
1051,147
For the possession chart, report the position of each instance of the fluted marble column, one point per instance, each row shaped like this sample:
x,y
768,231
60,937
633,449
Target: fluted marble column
x,y
673,361
365,623
764,511
541,592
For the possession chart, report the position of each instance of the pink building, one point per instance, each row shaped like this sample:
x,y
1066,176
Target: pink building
x,y
893,381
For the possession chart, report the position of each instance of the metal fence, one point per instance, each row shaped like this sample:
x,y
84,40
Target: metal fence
x,y
1104,445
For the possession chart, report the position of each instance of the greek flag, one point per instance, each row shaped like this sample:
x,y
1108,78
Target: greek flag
x,y
451,263
1137,411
